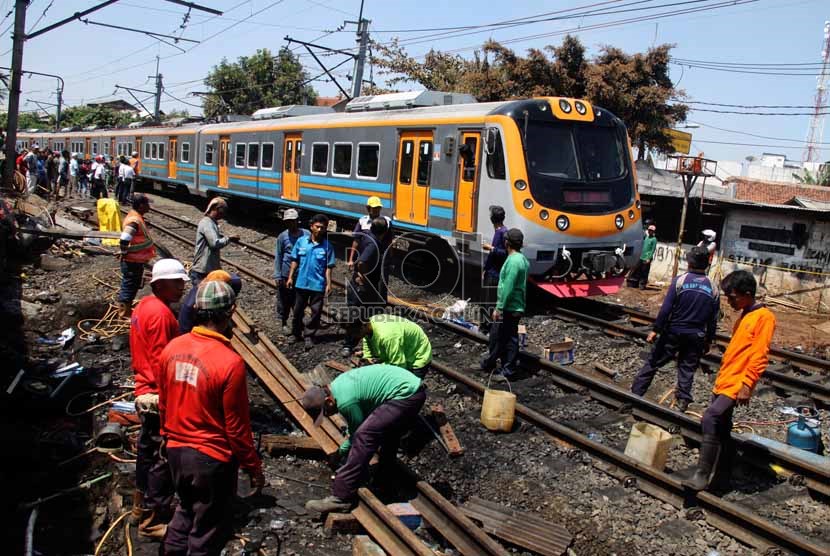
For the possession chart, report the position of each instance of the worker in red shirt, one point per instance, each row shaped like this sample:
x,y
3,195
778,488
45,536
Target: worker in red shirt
x,y
152,326
203,400
743,362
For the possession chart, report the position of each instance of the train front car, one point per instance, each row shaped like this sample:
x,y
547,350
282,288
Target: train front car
x,y
573,191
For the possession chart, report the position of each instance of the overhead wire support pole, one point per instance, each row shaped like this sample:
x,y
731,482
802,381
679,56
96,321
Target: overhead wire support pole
x,y
14,90
360,60
130,90
334,79
194,6
148,33
309,45
159,89
70,19
59,92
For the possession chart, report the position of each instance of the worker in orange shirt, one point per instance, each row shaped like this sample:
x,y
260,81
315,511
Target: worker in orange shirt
x,y
742,364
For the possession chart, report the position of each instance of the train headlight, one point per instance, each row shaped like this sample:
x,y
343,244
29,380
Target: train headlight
x,y
631,215
637,204
565,106
521,185
619,221
543,214
580,107
562,222
528,204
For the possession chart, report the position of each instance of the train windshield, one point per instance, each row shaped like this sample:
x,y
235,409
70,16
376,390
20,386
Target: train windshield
x,y
577,167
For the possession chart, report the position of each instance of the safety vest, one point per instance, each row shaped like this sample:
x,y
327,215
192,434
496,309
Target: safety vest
x,y
141,248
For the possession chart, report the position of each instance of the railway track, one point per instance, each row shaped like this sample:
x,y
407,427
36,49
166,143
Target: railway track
x,y
733,519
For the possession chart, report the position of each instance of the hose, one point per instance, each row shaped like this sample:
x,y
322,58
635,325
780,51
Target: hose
x,y
110,530
29,546
94,407
128,539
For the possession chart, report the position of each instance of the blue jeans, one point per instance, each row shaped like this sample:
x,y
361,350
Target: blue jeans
x,y
686,349
131,275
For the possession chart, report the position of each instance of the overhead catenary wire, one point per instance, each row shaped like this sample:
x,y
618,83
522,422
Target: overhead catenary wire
x,y
802,141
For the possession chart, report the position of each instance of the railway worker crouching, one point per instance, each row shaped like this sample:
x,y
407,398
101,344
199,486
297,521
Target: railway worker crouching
x,y
365,290
363,235
203,401
187,313
686,324
310,275
395,341
639,274
743,362
496,255
379,403
137,248
209,241
510,306
282,263
152,327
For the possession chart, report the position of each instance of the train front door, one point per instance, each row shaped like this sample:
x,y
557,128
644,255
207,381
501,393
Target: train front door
x,y
224,157
172,156
467,192
292,150
412,182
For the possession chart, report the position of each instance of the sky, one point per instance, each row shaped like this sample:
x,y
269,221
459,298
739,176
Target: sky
x,y
93,59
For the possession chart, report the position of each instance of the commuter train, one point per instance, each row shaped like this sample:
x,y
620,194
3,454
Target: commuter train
x,y
560,167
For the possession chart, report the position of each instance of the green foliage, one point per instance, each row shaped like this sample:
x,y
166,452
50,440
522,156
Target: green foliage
x,y
257,81
83,116
635,87
28,120
821,177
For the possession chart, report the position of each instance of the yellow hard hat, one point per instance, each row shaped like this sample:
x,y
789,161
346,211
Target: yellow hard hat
x,y
374,202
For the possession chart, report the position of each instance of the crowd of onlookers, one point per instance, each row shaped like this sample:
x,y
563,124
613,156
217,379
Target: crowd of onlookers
x,y
55,174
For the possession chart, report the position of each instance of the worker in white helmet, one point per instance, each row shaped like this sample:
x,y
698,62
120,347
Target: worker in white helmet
x,y
707,240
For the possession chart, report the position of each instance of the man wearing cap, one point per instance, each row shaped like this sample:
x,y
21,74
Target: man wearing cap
x,y
510,306
187,314
209,241
203,401
395,341
310,274
152,327
363,235
379,403
30,160
707,240
639,275
137,248
99,174
686,325
282,263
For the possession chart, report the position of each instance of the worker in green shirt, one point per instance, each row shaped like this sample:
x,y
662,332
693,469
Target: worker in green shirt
x,y
510,306
379,403
395,341
639,275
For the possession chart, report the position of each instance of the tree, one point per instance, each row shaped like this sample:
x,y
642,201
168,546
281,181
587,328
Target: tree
x,y
83,116
821,177
635,87
258,81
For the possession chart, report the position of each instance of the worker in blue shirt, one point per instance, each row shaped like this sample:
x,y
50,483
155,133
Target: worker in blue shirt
x,y
496,255
310,275
282,263
686,325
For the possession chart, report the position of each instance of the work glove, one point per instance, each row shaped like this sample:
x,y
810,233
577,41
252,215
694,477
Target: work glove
x,y
147,403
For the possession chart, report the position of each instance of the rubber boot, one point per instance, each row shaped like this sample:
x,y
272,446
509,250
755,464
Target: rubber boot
x,y
152,527
138,510
329,504
709,452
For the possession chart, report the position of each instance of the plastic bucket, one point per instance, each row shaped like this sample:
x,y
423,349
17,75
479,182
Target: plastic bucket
x,y
498,410
649,444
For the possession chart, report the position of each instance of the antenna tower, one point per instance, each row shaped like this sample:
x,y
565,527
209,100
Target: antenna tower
x,y
816,130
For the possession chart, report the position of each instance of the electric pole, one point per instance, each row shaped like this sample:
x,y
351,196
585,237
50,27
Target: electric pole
x,y
159,89
14,90
363,41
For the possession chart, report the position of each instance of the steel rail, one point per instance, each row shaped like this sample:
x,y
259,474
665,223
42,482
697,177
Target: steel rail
x,y
730,518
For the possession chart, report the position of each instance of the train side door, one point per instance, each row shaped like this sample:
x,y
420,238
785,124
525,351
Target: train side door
x,y
291,157
172,157
412,182
224,158
467,192
88,147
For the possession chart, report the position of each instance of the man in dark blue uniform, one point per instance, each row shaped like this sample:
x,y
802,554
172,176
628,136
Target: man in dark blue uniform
x,y
496,255
686,326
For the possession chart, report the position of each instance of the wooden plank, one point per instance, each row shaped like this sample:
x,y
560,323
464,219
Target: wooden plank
x,y
394,524
381,533
337,366
362,545
454,447
281,444
342,523
70,234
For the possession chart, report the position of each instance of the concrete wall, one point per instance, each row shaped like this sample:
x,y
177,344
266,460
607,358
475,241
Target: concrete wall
x,y
801,273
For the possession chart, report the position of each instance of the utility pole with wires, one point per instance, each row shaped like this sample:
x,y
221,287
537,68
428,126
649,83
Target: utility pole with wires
x,y
360,61
159,90
18,36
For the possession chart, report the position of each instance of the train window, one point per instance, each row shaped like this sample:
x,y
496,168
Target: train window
x,y
342,160
94,148
106,147
161,151
367,160
146,150
289,155
470,149
253,155
154,151
209,153
298,152
407,155
424,162
267,156
495,155
319,158
239,160
185,152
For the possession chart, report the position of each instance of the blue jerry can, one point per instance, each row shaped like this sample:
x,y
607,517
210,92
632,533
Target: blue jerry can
x,y
801,435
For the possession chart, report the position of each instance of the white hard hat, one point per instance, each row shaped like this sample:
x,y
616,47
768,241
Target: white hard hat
x,y
709,234
135,153
169,269
290,214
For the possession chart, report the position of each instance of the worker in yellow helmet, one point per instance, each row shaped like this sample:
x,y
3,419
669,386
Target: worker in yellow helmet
x,y
362,235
